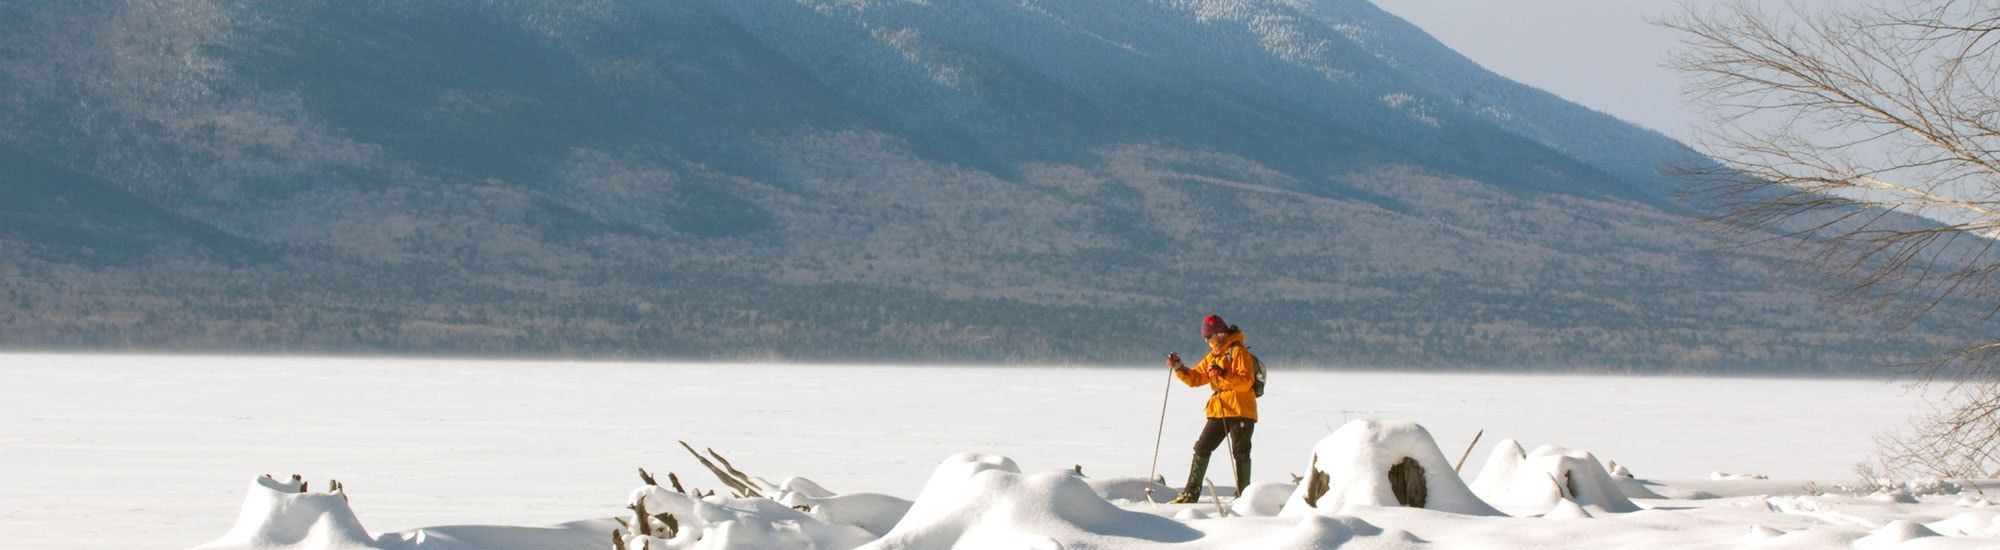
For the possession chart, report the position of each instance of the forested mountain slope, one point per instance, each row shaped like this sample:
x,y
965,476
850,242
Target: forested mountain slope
x,y
847,180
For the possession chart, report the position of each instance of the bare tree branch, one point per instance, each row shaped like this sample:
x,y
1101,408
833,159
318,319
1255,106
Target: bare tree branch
x,y
1866,139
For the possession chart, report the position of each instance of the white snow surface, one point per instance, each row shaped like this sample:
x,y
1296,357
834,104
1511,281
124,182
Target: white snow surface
x,y
461,454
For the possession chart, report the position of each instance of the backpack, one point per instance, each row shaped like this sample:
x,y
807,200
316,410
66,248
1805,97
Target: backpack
x,y
1259,385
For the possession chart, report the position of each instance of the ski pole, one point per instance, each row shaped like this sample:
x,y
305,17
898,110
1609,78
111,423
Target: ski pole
x,y
1154,473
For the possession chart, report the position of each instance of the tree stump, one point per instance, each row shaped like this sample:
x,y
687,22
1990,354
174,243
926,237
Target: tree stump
x,y
1317,486
1406,480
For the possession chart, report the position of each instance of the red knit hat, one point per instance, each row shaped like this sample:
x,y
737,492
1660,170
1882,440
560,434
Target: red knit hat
x,y
1213,325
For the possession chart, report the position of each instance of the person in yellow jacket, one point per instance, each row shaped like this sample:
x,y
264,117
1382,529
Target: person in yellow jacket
x,y
1230,373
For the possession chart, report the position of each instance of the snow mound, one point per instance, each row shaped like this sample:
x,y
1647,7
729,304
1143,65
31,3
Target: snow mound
x,y
1131,489
1540,480
1634,488
1628,484
1677,493
1363,462
1726,476
1895,533
1969,524
1897,496
1325,531
276,514
1262,499
678,521
1759,532
1970,502
804,487
985,502
576,534
1193,513
1567,509
872,512
1923,487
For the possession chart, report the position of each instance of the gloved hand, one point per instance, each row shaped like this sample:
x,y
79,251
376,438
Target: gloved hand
x,y
1215,372
1174,360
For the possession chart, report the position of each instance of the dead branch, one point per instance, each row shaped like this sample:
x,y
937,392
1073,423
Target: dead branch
x,y
667,520
639,511
724,475
1468,451
740,476
1217,497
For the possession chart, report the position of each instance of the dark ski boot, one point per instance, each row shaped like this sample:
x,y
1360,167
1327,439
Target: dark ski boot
x,y
1196,471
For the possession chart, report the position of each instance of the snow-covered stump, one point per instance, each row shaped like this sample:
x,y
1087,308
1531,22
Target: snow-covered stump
x,y
983,501
280,513
663,519
1369,463
1538,483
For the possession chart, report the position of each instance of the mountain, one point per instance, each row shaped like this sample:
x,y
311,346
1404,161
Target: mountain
x,y
849,180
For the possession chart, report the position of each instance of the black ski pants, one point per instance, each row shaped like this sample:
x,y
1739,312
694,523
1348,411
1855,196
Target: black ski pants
x,y
1238,430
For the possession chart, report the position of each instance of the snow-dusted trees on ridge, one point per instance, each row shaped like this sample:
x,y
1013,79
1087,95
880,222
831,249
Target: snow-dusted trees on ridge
x,y
1836,125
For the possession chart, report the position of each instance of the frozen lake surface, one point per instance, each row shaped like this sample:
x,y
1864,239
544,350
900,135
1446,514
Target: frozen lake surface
x,y
162,447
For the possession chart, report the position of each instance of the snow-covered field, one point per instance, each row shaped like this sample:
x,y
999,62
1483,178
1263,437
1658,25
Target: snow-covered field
x,y
145,451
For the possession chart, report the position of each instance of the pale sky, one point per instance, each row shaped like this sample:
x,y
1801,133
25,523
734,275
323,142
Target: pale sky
x,y
1599,53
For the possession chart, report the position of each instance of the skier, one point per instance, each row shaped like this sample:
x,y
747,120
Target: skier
x,y
1230,372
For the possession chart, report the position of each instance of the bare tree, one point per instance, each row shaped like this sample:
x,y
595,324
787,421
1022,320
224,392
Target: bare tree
x,y
1869,139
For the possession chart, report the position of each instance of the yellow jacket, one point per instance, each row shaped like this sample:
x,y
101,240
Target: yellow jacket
x,y
1233,397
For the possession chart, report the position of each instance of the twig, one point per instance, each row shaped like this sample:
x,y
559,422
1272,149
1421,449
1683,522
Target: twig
x,y
1460,466
1212,493
673,525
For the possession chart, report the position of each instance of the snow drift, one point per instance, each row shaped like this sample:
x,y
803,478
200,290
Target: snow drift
x,y
985,501
1539,482
280,514
1365,462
